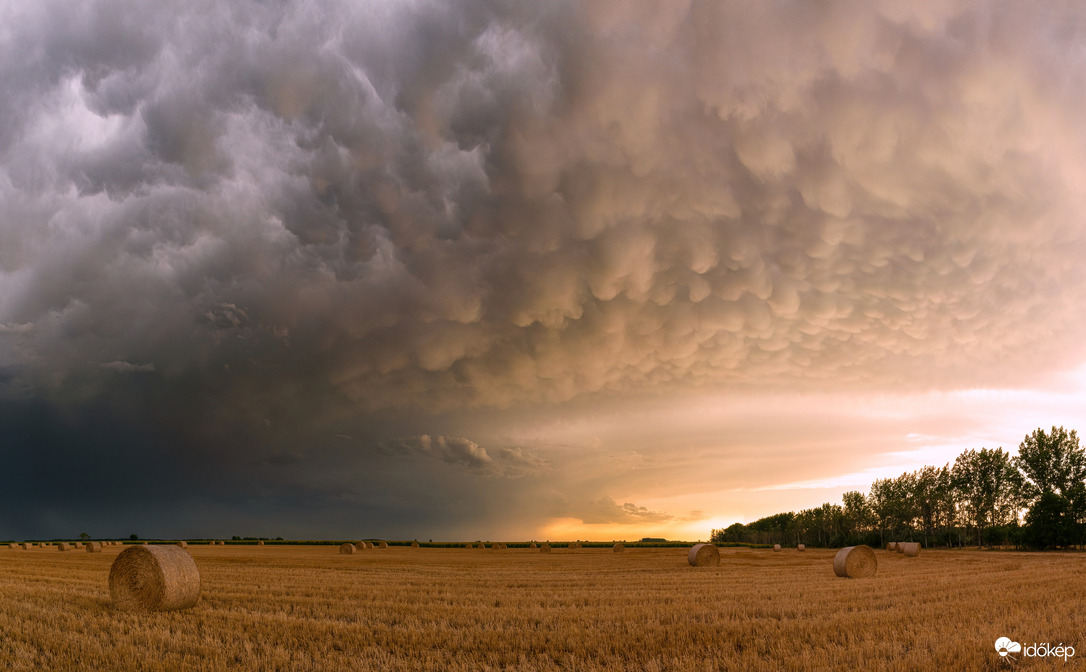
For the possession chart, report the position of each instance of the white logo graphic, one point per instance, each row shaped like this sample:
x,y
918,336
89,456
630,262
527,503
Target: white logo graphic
x,y
1004,646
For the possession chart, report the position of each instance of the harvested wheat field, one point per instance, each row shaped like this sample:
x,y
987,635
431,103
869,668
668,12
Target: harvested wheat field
x,y
297,608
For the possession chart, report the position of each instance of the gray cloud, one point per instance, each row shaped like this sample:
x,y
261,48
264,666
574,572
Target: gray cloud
x,y
342,214
465,453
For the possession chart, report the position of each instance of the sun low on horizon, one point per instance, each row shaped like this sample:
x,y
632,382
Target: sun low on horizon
x,y
564,270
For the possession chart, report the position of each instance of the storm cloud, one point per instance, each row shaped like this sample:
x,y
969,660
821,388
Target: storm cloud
x,y
247,228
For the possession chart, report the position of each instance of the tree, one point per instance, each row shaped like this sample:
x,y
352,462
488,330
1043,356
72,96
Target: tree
x,y
84,536
858,518
926,498
989,487
1050,522
1051,463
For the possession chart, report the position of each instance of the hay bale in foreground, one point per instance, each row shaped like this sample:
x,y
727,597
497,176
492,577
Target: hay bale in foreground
x,y
619,547
912,549
94,547
183,544
544,548
776,548
154,578
855,562
891,545
704,555
801,547
346,548
63,546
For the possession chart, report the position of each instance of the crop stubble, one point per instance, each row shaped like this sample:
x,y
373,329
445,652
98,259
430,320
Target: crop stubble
x,y
309,608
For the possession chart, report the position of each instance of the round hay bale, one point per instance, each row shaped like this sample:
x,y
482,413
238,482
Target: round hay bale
x,y
346,548
13,546
360,545
154,578
901,546
704,555
891,545
912,549
575,545
469,545
26,546
619,547
776,548
801,547
260,543
382,545
63,546
544,548
183,544
414,544
855,562
532,546
481,545
94,547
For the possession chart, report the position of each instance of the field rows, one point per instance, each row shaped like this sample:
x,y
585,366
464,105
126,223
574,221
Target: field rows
x,y
310,608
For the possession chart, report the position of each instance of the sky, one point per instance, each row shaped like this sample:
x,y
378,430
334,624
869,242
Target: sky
x,y
464,269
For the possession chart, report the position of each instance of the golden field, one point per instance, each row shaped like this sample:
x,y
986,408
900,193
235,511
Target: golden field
x,y
310,608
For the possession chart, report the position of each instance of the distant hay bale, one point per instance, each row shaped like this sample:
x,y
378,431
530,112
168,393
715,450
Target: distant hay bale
x,y
26,546
481,545
912,549
776,548
382,544
94,547
544,548
469,545
532,546
183,544
575,545
891,545
13,546
801,547
154,578
619,547
360,545
63,546
704,555
414,544
346,548
855,562
260,543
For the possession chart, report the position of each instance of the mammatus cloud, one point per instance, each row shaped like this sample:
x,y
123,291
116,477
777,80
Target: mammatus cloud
x,y
463,204
280,215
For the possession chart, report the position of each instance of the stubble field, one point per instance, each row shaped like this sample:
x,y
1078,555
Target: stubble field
x,y
310,608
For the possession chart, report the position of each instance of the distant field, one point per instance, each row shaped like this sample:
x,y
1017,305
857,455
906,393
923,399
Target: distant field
x,y
309,608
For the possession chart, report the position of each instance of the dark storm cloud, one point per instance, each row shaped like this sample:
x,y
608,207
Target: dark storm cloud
x,y
287,218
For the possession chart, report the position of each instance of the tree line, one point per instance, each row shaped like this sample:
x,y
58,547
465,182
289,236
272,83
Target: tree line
x,y
986,497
